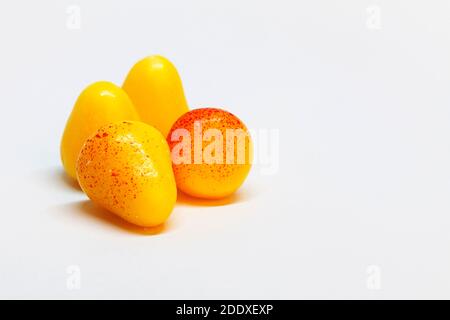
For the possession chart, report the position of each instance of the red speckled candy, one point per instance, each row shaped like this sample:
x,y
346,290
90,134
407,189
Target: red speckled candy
x,y
211,152
125,167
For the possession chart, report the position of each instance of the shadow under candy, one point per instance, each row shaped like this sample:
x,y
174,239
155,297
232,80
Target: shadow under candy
x,y
93,211
239,196
66,180
89,209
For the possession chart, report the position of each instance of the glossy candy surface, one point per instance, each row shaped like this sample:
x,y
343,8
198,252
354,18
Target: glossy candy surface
x,y
99,104
154,86
125,167
211,152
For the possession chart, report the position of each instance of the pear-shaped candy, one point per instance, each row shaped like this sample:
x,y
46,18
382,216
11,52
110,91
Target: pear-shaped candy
x,y
154,86
125,167
99,104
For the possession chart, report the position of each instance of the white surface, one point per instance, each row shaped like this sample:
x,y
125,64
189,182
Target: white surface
x,y
364,176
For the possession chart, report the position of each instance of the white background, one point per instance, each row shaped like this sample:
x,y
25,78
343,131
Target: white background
x,y
362,107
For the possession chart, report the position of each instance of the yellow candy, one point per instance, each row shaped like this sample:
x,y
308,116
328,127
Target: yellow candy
x,y
99,104
154,86
125,167
212,153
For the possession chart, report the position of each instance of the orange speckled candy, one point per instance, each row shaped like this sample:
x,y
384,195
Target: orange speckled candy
x,y
211,153
125,167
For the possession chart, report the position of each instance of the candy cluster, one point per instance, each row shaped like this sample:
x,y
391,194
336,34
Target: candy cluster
x,y
132,147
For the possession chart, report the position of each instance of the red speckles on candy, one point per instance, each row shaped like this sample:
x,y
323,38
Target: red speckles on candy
x,y
101,135
209,178
111,166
